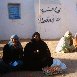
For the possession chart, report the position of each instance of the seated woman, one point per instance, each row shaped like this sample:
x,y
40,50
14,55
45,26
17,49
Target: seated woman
x,y
66,43
37,55
75,42
12,53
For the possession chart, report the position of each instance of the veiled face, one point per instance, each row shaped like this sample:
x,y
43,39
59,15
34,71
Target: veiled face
x,y
68,34
36,37
15,41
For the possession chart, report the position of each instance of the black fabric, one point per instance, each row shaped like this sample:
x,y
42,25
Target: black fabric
x,y
37,55
11,53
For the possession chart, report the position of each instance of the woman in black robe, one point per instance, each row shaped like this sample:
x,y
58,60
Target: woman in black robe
x,y
12,55
37,54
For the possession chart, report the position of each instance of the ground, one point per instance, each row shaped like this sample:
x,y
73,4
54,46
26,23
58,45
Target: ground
x,y
70,59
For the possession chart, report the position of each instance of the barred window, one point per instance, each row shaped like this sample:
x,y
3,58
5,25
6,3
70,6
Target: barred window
x,y
14,11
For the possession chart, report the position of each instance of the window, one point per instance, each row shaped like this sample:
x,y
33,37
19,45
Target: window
x,y
14,11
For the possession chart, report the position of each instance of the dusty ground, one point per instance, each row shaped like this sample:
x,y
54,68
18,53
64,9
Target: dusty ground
x,y
70,59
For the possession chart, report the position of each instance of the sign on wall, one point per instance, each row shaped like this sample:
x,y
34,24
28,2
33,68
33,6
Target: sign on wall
x,y
48,17
49,11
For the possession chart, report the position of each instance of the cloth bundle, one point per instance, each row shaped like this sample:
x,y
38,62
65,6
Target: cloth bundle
x,y
56,68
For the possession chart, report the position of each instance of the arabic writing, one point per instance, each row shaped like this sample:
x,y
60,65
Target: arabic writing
x,y
42,20
56,10
49,14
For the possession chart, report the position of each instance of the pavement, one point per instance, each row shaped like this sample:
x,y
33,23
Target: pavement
x,y
70,59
